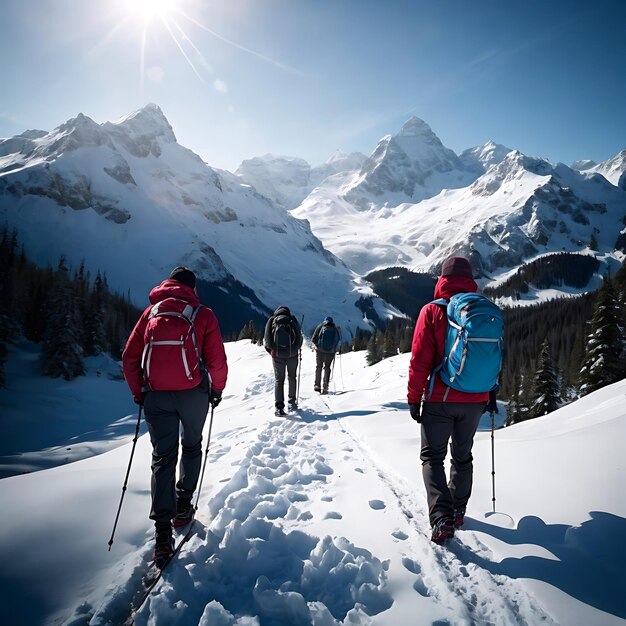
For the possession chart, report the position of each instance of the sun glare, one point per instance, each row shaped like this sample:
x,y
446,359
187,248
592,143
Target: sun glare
x,y
149,9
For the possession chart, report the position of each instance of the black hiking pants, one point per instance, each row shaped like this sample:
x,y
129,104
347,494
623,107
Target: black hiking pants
x,y
323,360
165,412
442,421
290,366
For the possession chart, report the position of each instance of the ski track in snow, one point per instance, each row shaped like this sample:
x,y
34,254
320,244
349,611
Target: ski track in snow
x,y
255,559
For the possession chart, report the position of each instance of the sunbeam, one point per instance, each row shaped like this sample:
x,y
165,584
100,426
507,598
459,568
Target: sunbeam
x,y
152,14
267,59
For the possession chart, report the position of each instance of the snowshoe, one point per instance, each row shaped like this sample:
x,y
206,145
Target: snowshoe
x,y
443,530
164,548
459,518
185,513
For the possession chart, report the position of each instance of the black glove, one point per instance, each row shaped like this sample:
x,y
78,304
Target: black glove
x,y
140,398
414,409
492,406
215,397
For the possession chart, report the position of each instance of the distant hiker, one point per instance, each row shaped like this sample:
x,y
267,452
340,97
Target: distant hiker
x,y
326,340
175,365
283,340
448,411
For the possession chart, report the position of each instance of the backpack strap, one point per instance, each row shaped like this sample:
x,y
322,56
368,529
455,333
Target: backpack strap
x,y
442,302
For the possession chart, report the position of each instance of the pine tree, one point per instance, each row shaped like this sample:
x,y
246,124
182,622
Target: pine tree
x,y
94,321
602,363
374,348
389,347
545,396
3,358
62,354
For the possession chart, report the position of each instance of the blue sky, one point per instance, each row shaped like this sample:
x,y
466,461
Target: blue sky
x,y
306,77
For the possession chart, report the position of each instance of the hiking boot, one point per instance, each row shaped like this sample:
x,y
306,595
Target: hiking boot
x,y
317,388
163,548
292,405
279,412
459,518
325,390
184,513
443,530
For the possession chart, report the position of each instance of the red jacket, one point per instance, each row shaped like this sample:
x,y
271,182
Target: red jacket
x,y
207,332
428,343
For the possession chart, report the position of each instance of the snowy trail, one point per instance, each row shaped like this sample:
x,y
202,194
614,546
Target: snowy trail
x,y
472,594
283,537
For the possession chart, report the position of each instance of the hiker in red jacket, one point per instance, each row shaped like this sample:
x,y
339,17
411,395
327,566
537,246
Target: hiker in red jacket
x,y
446,413
175,365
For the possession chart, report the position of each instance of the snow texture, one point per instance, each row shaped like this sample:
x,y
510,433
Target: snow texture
x,y
320,518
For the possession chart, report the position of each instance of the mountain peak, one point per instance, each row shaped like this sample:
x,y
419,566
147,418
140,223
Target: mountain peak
x,y
149,120
415,127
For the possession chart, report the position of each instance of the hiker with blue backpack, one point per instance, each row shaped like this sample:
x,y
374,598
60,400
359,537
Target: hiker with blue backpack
x,y
326,338
456,358
282,340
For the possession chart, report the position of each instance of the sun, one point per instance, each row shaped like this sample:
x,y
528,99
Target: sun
x,y
150,9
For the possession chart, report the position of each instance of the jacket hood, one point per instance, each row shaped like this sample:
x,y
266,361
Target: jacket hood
x,y
447,286
170,288
282,310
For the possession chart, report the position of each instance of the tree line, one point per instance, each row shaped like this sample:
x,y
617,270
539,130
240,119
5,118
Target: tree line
x,y
554,352
70,315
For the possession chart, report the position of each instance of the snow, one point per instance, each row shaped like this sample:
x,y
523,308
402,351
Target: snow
x,y
126,195
501,208
320,518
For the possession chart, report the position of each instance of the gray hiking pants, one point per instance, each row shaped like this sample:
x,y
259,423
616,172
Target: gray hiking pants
x,y
290,365
165,411
442,421
325,360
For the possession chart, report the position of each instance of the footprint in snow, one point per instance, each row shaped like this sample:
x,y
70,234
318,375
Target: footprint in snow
x,y
414,568
377,505
305,517
327,498
398,534
333,515
359,470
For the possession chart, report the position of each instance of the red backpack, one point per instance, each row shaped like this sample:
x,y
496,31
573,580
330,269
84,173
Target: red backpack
x,y
171,359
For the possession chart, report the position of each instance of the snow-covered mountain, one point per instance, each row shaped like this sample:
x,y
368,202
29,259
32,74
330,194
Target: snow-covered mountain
x,y
583,164
613,169
131,201
321,519
406,167
481,158
497,206
288,180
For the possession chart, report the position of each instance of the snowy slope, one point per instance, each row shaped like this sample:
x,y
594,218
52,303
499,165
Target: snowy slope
x,y
320,519
519,208
288,180
131,201
613,169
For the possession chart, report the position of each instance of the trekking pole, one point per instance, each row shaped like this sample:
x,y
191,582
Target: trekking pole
x,y
299,364
206,456
343,387
132,452
493,460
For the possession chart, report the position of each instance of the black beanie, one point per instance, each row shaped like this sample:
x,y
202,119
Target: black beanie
x,y
457,266
183,275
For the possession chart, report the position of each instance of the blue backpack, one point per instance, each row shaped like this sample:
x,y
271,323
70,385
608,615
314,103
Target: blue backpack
x,y
474,342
